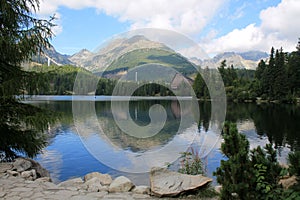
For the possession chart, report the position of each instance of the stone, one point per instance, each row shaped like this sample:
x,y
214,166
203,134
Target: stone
x,y
2,194
21,164
121,184
71,183
141,189
12,173
105,179
218,189
288,182
167,183
43,179
5,166
26,174
92,185
40,171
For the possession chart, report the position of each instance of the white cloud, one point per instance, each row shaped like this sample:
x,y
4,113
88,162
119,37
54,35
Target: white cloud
x,y
279,28
184,16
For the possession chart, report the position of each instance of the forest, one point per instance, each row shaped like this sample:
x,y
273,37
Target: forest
x,y
277,79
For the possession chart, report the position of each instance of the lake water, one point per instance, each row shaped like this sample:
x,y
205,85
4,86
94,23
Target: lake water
x,y
94,142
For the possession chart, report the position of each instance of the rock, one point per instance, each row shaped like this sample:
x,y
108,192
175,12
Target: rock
x,y
43,179
71,183
29,175
5,166
167,183
288,182
21,164
40,171
105,179
142,189
218,189
12,173
94,185
121,184
26,174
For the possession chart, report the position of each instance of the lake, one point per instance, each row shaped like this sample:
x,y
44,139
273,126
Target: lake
x,y
93,141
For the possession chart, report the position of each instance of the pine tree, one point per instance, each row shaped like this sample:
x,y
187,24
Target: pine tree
x,y
294,71
280,76
234,174
21,36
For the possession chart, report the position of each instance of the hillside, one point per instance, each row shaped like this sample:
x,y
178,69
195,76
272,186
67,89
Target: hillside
x,y
247,60
55,57
149,56
97,62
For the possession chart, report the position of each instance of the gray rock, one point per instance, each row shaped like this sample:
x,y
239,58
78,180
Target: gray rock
x,y
26,174
40,171
167,183
43,179
5,166
121,184
142,189
29,175
218,189
12,173
71,183
105,179
94,185
21,164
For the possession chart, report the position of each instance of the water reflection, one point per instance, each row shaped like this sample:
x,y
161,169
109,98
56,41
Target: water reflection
x,y
67,157
128,150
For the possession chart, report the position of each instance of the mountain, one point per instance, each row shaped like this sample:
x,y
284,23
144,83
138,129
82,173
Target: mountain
x,y
248,60
123,53
54,56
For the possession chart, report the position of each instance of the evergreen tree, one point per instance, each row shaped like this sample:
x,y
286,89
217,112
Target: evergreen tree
x,y
280,76
294,71
21,36
234,173
260,70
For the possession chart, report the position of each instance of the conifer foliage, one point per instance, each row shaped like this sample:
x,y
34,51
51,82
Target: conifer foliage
x,y
21,36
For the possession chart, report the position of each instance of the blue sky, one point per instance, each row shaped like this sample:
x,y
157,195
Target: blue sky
x,y
217,26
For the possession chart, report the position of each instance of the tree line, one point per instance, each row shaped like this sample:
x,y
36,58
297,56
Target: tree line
x,y
277,78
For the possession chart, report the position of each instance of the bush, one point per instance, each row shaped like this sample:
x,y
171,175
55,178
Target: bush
x,y
251,174
190,163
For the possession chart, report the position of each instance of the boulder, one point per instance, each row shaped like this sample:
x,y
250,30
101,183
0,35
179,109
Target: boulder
x,y
12,173
40,171
75,182
29,175
167,183
105,179
141,189
25,164
43,179
5,166
21,164
218,189
121,184
288,182
94,185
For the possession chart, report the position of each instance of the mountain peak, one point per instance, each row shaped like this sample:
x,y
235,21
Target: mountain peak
x,y
112,50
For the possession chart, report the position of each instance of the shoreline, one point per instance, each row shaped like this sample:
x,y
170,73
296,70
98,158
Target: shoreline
x,y
20,180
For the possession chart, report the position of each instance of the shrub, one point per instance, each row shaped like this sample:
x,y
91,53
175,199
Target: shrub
x,y
190,163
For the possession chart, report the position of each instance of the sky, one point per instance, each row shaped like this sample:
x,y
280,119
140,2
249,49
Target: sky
x,y
217,26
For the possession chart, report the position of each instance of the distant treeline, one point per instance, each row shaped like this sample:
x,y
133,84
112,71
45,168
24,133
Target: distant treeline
x,y
278,78
59,80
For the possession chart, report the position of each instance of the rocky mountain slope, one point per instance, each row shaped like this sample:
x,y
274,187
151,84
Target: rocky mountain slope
x,y
121,54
